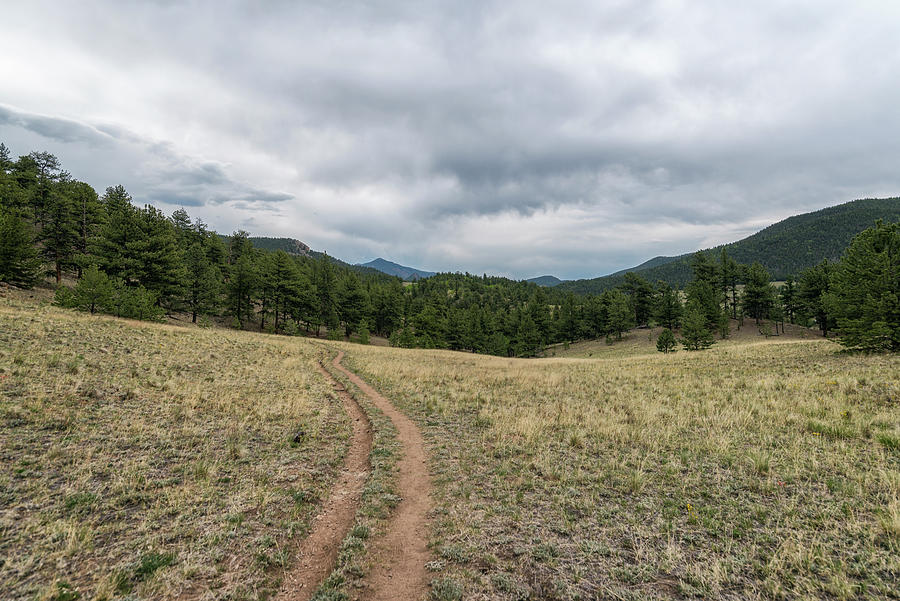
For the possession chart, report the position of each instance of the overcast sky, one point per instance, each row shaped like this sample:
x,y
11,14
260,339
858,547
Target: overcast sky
x,y
514,138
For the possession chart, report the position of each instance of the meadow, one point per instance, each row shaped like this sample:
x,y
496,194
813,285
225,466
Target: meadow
x,y
155,461
152,461
759,469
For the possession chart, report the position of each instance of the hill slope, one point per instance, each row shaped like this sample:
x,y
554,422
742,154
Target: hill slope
x,y
297,248
401,271
288,245
546,280
784,248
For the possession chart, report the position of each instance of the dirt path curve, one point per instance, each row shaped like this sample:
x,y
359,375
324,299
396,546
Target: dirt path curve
x,y
318,552
399,558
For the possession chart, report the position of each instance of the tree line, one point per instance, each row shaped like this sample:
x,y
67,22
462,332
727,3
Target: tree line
x,y
137,262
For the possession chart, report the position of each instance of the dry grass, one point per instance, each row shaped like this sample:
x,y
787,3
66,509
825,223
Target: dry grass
x,y
155,461
642,341
753,470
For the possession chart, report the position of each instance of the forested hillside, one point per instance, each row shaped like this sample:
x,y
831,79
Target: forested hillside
x,y
297,248
288,245
785,248
139,263
546,280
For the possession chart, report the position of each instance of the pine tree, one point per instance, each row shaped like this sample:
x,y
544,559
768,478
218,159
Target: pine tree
x,y
667,309
353,303
640,297
528,338
326,289
213,245
430,325
666,342
288,286
568,319
759,296
707,298
239,245
203,283
387,307
19,262
93,291
184,229
111,249
89,214
240,288
620,314
695,334
730,272
160,260
812,290
265,289
134,302
6,162
59,234
476,331
789,298
457,338
363,332
539,311
596,316
705,270
47,174
11,193
865,299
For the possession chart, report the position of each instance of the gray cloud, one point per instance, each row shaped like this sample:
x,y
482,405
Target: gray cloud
x,y
162,175
491,136
54,128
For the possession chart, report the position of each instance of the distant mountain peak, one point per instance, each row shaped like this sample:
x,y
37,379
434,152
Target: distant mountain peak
x,y
409,274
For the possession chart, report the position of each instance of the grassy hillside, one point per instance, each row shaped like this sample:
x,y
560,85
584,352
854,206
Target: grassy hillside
x,y
155,461
784,248
756,470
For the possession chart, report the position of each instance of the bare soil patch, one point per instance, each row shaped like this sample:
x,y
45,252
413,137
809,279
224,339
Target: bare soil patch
x,y
399,557
317,553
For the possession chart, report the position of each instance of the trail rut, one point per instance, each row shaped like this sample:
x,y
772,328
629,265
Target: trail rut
x,y
318,552
399,557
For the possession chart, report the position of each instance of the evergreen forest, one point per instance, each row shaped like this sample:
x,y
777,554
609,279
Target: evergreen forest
x,y
137,262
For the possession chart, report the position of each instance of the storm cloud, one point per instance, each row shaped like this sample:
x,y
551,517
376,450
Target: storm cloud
x,y
513,138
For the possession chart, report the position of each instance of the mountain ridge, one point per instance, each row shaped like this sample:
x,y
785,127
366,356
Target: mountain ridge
x,y
405,273
784,248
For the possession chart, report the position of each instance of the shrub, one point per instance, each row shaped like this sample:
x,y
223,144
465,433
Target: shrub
x,y
666,342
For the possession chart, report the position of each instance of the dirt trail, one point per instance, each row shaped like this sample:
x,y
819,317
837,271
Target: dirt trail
x,y
318,552
399,557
